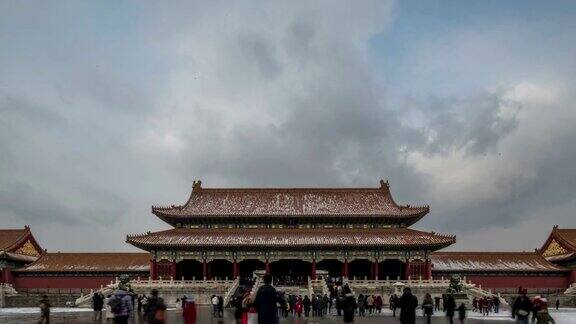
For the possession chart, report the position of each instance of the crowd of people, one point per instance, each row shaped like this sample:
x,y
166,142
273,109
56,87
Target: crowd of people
x,y
270,305
486,305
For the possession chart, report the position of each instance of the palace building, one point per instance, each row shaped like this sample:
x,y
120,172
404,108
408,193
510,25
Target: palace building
x,y
361,234
349,232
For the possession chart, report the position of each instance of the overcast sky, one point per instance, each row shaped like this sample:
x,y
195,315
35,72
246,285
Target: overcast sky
x,y
109,107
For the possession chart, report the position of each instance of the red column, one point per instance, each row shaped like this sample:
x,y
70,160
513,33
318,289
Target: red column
x,y
407,270
267,266
376,270
345,268
572,277
173,269
428,273
313,269
153,269
235,271
204,269
6,276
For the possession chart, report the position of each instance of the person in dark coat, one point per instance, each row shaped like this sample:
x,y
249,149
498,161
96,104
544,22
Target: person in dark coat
x,y
154,308
265,302
348,304
97,305
522,307
306,302
408,304
450,308
462,313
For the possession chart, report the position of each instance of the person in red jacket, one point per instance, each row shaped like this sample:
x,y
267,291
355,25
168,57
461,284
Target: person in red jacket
x,y
189,311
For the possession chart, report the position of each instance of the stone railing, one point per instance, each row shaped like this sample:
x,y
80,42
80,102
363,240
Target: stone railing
x,y
436,287
6,289
85,300
571,291
231,290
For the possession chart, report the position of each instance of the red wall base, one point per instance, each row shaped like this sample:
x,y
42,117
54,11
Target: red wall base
x,y
517,281
62,282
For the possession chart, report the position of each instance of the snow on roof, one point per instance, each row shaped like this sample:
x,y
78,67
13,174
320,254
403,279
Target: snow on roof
x,y
290,238
90,262
293,202
491,261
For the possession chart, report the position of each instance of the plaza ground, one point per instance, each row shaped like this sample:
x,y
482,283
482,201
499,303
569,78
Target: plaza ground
x,y
84,316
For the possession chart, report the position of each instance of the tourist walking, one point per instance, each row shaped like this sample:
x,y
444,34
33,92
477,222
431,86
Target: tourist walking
x,y
522,307
542,315
408,304
44,310
450,308
496,303
369,303
220,306
109,314
348,304
378,303
437,303
265,302
121,305
306,303
155,309
97,305
428,307
189,312
361,305
393,304
557,304
214,301
298,307
462,313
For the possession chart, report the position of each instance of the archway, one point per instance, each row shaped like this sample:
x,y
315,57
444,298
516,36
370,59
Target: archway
x,y
290,272
360,268
248,266
333,266
220,269
189,269
393,269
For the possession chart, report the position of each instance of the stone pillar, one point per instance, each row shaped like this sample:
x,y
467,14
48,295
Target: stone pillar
x,y
204,269
428,269
407,270
235,270
153,269
345,268
267,266
375,270
313,269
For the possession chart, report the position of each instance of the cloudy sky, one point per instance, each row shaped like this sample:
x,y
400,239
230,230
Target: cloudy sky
x,y
108,107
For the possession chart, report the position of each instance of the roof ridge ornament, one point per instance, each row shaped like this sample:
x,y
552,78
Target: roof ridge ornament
x,y
384,184
196,186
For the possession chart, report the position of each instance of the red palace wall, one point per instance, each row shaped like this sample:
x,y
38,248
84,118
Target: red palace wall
x,y
513,282
62,282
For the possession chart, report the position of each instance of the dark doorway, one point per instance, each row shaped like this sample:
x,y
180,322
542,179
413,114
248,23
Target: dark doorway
x,y
333,266
220,269
248,266
393,269
290,272
360,268
189,269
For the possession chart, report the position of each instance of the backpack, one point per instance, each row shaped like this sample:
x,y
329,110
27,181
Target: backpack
x,y
115,305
